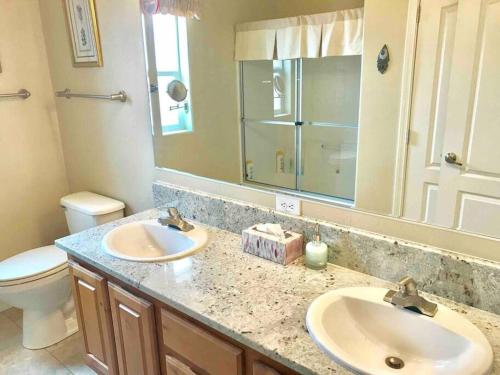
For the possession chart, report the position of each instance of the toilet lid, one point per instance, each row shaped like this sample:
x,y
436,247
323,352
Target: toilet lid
x,y
41,262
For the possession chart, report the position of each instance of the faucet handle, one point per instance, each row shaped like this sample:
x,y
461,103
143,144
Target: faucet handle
x,y
173,212
408,286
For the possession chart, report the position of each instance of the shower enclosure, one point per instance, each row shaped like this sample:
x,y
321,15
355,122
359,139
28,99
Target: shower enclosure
x,y
300,124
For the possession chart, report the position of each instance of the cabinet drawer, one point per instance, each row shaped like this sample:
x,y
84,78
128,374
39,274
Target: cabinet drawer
x,y
176,367
260,368
200,347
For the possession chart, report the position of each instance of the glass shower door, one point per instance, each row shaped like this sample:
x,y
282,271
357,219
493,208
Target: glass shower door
x,y
269,115
328,139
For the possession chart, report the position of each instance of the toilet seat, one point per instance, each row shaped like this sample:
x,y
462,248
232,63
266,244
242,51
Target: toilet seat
x,y
32,265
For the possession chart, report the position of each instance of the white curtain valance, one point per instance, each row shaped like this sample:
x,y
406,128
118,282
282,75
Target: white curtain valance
x,y
180,8
319,35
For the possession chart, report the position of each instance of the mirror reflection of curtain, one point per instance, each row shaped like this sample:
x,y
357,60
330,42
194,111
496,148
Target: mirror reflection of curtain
x,y
179,8
319,35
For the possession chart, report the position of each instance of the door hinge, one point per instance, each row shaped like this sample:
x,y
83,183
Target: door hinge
x,y
299,123
153,87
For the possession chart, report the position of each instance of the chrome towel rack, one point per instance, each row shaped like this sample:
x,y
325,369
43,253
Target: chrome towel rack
x,y
23,94
121,96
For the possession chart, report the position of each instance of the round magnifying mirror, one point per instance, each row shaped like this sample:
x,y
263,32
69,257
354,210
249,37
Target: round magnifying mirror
x,y
279,85
177,90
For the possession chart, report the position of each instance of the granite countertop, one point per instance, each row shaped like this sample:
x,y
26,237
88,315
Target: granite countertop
x,y
254,301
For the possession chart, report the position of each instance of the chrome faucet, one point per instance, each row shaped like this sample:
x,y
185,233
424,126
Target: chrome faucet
x,y
175,221
408,298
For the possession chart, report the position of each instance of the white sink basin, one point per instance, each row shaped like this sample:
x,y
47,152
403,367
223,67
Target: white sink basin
x,y
148,241
357,329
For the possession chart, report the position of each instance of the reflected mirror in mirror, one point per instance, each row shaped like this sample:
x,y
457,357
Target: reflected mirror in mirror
x,y
177,91
280,97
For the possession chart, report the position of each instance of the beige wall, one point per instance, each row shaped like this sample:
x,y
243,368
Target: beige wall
x,y
385,23
31,163
107,145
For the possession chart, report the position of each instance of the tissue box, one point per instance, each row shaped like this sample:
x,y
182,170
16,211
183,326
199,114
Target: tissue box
x,y
272,247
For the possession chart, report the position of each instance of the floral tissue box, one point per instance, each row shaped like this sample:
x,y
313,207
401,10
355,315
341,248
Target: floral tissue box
x,y
279,249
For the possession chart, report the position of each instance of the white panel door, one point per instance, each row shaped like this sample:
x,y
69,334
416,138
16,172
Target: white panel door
x,y
436,37
469,195
463,119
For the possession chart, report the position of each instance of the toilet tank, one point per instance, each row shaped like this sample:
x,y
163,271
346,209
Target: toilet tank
x,y
85,210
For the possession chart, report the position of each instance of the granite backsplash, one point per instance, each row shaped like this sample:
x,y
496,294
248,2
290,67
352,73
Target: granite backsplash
x,y
464,279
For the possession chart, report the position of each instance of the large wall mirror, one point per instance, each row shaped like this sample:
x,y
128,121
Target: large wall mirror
x,y
283,95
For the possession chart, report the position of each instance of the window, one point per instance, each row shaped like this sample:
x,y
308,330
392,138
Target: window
x,y
168,62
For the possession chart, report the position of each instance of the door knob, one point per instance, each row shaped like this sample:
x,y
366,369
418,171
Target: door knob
x,y
451,158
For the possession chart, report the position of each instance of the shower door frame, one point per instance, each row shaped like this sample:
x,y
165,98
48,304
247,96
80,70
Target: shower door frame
x,y
298,146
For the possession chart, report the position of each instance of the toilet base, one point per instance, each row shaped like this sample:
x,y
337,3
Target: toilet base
x,y
45,328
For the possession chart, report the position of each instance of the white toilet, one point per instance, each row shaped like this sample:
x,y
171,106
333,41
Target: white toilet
x,y
37,281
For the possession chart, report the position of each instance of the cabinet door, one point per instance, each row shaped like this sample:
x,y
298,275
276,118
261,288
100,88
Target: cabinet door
x,y
176,367
135,334
260,368
94,318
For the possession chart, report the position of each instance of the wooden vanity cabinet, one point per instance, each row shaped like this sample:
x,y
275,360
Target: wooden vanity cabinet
x,y
125,334
135,333
90,293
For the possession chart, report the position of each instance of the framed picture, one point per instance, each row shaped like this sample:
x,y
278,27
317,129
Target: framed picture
x,y
81,19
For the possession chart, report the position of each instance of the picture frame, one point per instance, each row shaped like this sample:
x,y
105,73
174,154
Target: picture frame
x,y
83,31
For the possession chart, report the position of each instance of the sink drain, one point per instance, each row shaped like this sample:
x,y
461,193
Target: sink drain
x,y
394,362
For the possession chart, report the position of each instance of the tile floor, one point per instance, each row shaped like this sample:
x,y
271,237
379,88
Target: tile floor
x,y
64,358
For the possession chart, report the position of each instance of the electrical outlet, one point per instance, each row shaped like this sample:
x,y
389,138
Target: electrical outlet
x,y
288,204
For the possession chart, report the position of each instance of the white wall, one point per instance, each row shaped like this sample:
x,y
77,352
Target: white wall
x,y
31,164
